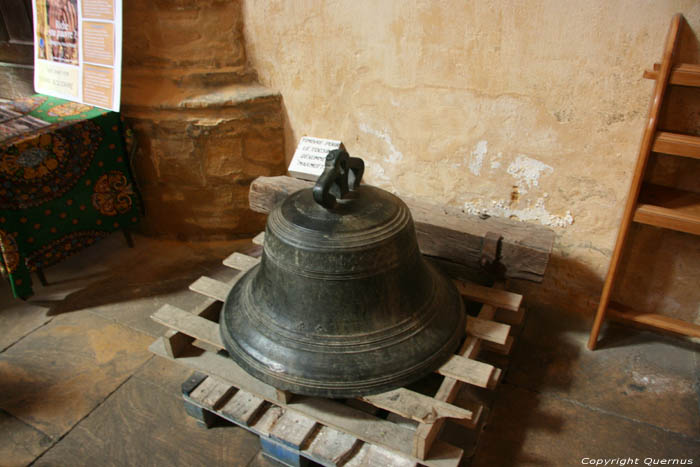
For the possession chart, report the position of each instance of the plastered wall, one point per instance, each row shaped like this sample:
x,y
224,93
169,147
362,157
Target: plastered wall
x,y
528,110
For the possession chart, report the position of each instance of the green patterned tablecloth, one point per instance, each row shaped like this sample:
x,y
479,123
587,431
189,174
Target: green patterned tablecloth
x,y
64,183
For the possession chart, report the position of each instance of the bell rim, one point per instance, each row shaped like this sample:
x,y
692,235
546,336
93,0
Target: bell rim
x,y
339,389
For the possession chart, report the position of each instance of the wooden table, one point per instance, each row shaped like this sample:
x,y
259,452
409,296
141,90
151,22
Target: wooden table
x,y
64,183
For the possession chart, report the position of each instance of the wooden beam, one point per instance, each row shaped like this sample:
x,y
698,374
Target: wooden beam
x,y
444,231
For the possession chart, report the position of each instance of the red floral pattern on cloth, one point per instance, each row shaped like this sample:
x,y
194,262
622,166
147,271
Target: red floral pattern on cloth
x,y
41,169
63,247
112,194
68,109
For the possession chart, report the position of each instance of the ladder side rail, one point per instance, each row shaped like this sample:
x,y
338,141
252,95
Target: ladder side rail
x,y
644,151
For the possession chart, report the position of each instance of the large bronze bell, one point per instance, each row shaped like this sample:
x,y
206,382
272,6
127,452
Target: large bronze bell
x,y
342,303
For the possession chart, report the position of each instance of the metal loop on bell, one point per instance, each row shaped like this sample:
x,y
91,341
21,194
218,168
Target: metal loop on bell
x,y
341,175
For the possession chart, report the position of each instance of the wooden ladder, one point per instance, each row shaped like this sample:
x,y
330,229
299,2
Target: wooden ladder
x,y
653,204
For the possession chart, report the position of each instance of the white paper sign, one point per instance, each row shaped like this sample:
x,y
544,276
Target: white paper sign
x,y
310,157
78,50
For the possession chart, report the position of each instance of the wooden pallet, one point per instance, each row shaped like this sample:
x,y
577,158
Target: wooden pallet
x,y
194,341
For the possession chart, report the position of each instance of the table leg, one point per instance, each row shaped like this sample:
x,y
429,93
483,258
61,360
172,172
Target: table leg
x,y
127,236
42,277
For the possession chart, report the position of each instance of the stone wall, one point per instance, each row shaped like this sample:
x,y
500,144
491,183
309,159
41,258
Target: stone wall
x,y
205,127
526,110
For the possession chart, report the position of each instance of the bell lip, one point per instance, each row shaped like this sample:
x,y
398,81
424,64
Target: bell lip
x,y
310,387
437,360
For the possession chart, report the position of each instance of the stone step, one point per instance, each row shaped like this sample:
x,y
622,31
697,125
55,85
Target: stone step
x,y
167,94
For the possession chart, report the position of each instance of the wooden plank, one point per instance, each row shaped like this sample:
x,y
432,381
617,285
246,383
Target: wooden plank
x,y
669,208
211,288
211,393
373,456
477,409
177,342
333,447
467,370
416,406
360,424
512,318
328,412
463,369
187,323
677,144
488,330
267,420
426,433
495,378
654,320
683,74
259,239
243,407
498,298
443,231
293,429
223,368
503,349
283,396
241,262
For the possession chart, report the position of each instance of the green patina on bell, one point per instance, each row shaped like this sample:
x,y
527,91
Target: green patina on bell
x,y
342,303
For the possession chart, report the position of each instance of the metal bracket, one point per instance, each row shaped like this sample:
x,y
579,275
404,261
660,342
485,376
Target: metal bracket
x,y
490,250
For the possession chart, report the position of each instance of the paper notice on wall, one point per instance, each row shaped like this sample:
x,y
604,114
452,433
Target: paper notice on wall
x,y
77,50
310,157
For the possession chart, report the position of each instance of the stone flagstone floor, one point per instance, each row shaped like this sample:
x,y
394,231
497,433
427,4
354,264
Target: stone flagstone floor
x,y
79,387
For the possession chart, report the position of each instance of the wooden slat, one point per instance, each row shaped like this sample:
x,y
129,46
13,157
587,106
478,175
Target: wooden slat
x,y
187,323
669,208
683,74
654,320
511,318
426,433
364,426
444,231
211,288
401,401
677,144
498,298
467,370
371,456
333,447
488,330
259,239
241,262
212,393
177,342
293,429
326,411
243,407
416,406
503,349
267,420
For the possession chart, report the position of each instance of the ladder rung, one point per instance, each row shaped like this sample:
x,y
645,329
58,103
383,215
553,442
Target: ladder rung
x,y
669,208
654,320
683,74
677,144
